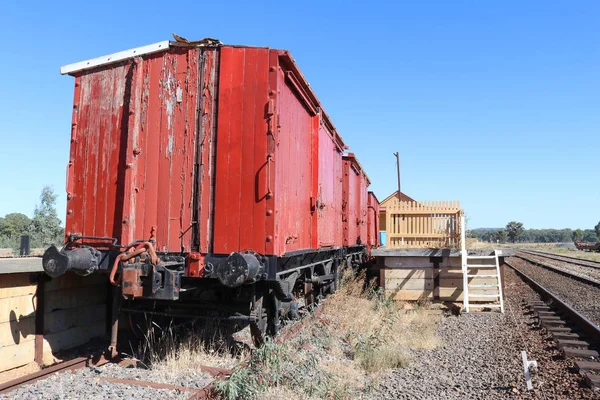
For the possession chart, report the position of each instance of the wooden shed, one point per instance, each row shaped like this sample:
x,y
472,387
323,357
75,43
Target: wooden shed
x,y
409,224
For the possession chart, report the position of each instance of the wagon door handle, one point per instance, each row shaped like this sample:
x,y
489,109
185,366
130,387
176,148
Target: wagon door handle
x,y
269,160
69,181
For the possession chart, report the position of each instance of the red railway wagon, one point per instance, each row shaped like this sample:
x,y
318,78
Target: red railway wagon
x,y
206,173
373,221
355,202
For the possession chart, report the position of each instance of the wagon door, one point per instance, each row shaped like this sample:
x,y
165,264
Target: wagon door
x,y
294,166
329,189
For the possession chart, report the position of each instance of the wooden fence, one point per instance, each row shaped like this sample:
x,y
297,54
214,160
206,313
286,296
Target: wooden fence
x,y
429,224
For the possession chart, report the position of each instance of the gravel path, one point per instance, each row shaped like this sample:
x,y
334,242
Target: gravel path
x,y
581,296
480,358
588,272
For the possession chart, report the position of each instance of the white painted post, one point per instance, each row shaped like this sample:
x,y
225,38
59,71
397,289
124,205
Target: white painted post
x,y
463,255
526,365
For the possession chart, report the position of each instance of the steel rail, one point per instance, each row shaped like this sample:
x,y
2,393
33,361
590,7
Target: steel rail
x,y
76,363
559,257
587,326
568,274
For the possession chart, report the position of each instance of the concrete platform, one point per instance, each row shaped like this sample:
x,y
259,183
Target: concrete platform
x,y
22,264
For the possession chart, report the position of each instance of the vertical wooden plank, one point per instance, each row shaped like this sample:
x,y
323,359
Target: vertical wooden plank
x,y
165,149
39,322
130,179
90,151
260,148
152,149
390,229
224,239
248,136
235,144
206,149
107,102
142,229
73,221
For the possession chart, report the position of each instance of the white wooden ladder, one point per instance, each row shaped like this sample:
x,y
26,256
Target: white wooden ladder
x,y
481,278
482,282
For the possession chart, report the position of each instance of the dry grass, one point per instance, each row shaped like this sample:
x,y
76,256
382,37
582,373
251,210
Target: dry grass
x,y
4,252
175,353
377,330
9,252
340,353
188,354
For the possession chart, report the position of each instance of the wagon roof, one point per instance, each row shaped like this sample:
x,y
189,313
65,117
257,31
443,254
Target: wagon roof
x,y
354,161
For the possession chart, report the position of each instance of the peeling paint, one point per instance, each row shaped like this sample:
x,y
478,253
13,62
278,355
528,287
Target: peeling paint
x,y
170,145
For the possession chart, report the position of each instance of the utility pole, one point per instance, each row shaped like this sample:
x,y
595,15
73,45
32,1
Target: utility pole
x,y
398,165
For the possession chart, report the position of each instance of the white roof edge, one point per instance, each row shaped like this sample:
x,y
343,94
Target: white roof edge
x,y
115,57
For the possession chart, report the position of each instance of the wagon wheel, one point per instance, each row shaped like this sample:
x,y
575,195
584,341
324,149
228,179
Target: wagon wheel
x,y
266,311
258,328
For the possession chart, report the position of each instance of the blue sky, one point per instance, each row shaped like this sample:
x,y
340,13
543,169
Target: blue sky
x,y
495,104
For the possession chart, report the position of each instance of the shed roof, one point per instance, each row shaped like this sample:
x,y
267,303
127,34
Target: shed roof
x,y
403,197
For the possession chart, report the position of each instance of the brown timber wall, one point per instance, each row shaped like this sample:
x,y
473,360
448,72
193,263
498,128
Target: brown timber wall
x,y
428,278
74,311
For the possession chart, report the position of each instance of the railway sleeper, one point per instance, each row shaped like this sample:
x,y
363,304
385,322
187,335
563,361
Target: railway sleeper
x,y
576,352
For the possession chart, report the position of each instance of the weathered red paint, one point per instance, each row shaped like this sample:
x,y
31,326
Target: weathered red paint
x,y
278,158
206,149
133,150
329,192
210,150
241,162
354,205
194,265
373,220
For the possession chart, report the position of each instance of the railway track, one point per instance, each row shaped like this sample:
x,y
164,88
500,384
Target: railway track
x,y
573,269
577,337
64,366
122,377
569,259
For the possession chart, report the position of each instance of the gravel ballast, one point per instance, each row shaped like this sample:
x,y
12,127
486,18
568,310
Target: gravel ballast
x,y
479,357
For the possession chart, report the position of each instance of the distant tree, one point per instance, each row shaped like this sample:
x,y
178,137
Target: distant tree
x,y
589,235
577,235
514,230
14,225
597,229
500,236
468,232
45,225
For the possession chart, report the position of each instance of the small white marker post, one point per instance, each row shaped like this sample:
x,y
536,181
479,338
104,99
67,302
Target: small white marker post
x,y
526,365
